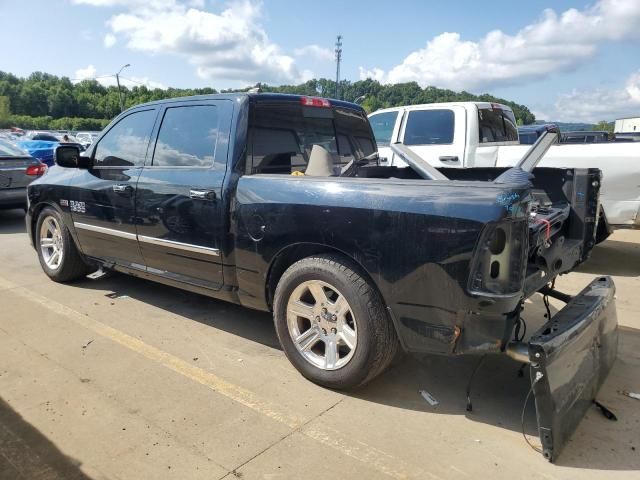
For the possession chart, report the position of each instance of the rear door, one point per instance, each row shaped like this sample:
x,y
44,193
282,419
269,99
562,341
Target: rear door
x,y
437,134
180,204
102,198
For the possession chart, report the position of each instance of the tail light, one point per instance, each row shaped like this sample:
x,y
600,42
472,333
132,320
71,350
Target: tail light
x,y
500,259
315,102
36,170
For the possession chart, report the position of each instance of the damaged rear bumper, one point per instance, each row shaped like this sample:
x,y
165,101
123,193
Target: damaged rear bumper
x,y
571,356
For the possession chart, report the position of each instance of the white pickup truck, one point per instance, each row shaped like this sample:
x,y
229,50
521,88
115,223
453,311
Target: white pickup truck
x,y
479,134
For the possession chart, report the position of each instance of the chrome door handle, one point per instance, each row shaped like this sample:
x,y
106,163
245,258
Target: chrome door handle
x,y
447,158
124,189
202,194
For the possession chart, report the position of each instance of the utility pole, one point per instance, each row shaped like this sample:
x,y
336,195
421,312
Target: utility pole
x,y
118,82
338,60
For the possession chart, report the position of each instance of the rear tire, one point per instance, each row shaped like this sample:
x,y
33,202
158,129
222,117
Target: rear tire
x,y
57,252
332,322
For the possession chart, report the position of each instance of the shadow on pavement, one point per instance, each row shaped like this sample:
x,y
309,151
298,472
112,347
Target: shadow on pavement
x,y
12,221
250,324
27,454
498,392
613,257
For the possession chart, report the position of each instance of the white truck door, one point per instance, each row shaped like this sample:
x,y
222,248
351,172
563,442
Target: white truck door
x,y
436,133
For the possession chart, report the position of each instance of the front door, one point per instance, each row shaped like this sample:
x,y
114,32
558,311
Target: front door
x,y
102,198
180,198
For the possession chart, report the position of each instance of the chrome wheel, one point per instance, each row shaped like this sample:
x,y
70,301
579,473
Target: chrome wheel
x,y
51,245
322,325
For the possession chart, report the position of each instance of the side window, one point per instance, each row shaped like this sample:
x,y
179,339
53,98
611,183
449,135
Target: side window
x,y
382,125
125,145
497,125
429,127
187,137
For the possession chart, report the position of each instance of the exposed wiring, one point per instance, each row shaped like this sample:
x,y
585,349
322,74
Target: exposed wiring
x,y
524,409
548,225
545,300
516,335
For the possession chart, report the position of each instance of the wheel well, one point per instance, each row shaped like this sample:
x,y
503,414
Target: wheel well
x,y
291,254
34,220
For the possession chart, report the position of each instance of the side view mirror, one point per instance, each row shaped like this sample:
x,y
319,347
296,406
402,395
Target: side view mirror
x,y
68,156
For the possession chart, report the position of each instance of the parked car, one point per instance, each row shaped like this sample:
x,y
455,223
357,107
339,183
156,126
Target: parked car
x,y
17,170
529,134
478,135
627,125
86,138
585,137
43,148
277,202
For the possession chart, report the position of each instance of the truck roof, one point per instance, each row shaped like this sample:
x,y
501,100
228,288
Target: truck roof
x,y
444,104
254,97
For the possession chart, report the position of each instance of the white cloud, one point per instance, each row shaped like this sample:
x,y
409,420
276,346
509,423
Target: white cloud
x,y
230,45
109,40
554,43
591,106
86,73
109,80
315,51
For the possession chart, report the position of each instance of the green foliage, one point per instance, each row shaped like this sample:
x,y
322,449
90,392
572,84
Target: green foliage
x,y
44,95
383,96
49,123
604,126
5,110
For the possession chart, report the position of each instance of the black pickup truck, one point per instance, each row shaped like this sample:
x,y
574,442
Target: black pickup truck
x,y
279,203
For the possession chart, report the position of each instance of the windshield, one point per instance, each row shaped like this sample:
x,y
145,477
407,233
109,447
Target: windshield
x,y
7,149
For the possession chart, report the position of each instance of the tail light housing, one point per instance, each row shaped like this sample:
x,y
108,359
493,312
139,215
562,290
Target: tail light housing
x,y
315,102
36,170
500,258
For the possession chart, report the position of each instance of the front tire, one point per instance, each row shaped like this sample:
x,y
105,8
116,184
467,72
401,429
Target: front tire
x,y
57,252
332,323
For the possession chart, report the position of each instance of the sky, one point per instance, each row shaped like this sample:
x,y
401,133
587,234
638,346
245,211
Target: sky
x,y
567,60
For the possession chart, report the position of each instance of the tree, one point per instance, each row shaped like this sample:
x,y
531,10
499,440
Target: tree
x,y
43,95
605,126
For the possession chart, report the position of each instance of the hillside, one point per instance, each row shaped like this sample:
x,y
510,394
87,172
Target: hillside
x,y
43,100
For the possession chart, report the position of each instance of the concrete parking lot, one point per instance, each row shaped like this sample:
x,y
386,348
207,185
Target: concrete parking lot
x,y
120,378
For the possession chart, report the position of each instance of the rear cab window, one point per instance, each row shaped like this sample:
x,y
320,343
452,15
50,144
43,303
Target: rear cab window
x,y
285,136
430,127
497,125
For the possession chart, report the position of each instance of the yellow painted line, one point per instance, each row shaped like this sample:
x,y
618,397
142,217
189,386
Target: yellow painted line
x,y
327,436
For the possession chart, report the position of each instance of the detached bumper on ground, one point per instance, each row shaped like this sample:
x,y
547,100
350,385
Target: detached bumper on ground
x,y
571,356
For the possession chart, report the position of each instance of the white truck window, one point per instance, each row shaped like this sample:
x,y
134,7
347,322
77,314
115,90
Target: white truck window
x,y
429,127
497,125
382,125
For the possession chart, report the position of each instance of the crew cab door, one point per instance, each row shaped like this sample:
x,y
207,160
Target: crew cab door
x,y
102,198
179,202
437,134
